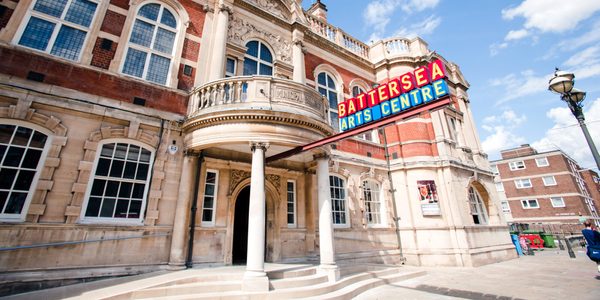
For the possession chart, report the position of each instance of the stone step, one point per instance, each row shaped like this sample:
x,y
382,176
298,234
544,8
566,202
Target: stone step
x,y
188,289
292,282
294,272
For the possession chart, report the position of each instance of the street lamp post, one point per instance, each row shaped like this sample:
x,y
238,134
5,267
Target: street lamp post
x,y
562,83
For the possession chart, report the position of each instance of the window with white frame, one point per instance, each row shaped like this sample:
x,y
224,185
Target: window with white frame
x,y
549,180
338,200
120,183
523,183
58,27
557,201
499,187
494,169
505,206
230,67
328,88
258,59
210,196
478,211
454,126
291,203
530,203
542,162
372,201
516,165
22,153
151,44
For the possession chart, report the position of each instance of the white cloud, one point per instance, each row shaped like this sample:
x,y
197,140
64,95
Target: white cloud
x,y
566,135
552,15
420,29
495,48
590,55
520,85
501,130
516,35
378,16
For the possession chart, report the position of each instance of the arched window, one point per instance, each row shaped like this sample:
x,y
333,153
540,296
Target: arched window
x,y
328,88
357,90
372,201
478,210
258,59
58,27
120,183
21,155
338,200
151,44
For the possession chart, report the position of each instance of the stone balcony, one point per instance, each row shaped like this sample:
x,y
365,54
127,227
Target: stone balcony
x,y
240,109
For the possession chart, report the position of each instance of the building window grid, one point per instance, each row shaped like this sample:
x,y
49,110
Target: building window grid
x,y
21,154
58,27
542,162
230,67
549,180
338,200
372,201
557,201
258,59
328,88
505,206
516,165
120,183
291,203
478,211
530,204
523,183
209,202
151,44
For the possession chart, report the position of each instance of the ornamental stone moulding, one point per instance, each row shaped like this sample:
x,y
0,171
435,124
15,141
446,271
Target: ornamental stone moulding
x,y
241,31
269,6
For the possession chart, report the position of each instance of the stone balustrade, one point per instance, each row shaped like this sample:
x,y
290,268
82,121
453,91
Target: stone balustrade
x,y
395,46
257,93
338,37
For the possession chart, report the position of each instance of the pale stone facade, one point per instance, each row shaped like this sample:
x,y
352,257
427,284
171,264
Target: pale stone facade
x,y
329,204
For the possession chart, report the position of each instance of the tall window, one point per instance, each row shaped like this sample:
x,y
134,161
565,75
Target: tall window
x,y
151,44
230,67
338,200
327,87
21,151
291,203
505,206
120,183
477,207
58,27
258,59
372,202
499,187
210,193
454,126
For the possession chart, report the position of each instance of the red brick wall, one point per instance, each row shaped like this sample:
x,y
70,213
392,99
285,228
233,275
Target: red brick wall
x,y
191,50
311,61
120,3
592,187
5,17
101,58
186,82
361,148
113,23
19,63
573,206
197,16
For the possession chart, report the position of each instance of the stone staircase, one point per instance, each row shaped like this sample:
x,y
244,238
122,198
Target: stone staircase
x,y
300,281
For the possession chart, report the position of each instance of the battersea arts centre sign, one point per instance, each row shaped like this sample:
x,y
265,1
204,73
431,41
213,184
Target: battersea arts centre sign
x,y
416,88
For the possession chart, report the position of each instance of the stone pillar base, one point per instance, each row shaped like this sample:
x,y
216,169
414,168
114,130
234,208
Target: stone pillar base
x,y
254,282
175,266
332,272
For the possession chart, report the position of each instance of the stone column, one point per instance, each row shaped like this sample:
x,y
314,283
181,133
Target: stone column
x,y
298,57
255,278
180,222
217,64
326,247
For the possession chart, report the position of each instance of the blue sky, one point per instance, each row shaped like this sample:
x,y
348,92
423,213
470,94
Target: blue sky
x,y
507,50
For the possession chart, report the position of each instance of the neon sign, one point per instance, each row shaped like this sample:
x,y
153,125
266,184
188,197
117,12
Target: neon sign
x,y
415,88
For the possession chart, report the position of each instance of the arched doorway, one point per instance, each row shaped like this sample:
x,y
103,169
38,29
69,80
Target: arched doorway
x,y
240,227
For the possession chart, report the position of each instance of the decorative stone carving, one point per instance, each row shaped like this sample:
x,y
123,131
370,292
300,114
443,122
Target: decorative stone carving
x,y
269,6
275,180
241,31
236,177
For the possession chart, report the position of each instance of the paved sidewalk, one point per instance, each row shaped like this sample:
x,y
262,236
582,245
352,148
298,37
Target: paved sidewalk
x,y
549,274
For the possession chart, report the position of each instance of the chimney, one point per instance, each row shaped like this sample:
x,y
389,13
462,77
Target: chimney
x,y
318,10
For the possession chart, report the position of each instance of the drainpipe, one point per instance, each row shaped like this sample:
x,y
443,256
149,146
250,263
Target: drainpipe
x,y
188,261
392,191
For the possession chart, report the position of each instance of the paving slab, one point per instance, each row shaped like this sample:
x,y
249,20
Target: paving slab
x,y
549,274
